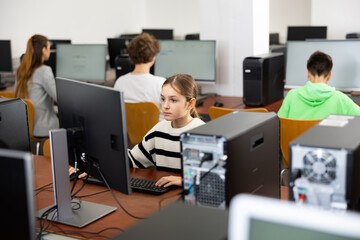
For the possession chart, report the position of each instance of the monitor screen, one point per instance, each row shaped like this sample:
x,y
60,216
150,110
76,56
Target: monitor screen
x,y
161,34
17,191
116,47
194,57
14,125
254,218
300,33
346,62
85,62
51,62
95,115
5,56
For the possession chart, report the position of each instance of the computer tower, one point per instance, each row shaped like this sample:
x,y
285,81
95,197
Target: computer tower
x,y
122,65
263,79
236,153
325,164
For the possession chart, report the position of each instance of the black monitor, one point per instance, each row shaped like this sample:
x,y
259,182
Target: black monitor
x,y
84,62
14,131
94,116
5,56
116,47
17,201
300,33
161,34
194,57
52,59
5,60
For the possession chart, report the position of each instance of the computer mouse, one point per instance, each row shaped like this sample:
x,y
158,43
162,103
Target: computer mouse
x,y
218,104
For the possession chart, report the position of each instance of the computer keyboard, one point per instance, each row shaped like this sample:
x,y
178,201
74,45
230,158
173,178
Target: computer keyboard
x,y
138,185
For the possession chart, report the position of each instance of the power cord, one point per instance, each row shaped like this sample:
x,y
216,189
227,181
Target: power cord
x,y
112,193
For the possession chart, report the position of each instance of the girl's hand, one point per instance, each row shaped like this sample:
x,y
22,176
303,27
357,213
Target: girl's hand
x,y
72,171
168,181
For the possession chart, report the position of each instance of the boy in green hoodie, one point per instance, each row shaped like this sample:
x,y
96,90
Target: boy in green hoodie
x,y
316,100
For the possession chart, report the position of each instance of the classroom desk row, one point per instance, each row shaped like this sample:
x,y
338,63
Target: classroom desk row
x,y
138,204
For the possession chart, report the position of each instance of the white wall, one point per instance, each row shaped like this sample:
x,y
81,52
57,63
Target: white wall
x,y
232,24
284,13
85,21
181,15
341,17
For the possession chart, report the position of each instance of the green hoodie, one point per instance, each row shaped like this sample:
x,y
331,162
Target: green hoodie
x,y
316,101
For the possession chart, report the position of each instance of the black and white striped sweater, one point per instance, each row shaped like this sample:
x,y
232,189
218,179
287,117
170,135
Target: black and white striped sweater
x,y
161,147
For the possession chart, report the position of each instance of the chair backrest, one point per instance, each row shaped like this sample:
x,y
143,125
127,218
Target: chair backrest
x,y
216,112
140,118
46,148
291,129
7,94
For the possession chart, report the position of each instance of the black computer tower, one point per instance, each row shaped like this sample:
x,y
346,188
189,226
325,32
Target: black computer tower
x,y
325,164
263,79
236,153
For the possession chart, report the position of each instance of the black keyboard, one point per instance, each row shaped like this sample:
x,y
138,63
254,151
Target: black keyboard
x,y
147,186
137,185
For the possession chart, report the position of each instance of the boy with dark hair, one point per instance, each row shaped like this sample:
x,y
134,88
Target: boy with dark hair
x,y
316,100
140,85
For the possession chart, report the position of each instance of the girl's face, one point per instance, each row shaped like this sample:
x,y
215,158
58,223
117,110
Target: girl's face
x,y
46,52
173,104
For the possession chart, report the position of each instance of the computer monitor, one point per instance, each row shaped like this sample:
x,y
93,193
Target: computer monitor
x,y
300,33
14,125
160,34
51,62
5,56
116,47
95,117
17,201
5,60
255,218
84,62
194,57
346,61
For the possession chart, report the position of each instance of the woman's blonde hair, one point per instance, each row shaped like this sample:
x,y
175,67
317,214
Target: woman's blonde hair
x,y
33,58
186,86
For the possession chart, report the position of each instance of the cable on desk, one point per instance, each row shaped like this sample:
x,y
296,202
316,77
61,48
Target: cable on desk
x,y
81,233
42,189
112,193
93,194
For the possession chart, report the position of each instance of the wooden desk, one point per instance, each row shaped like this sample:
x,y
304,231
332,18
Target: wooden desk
x,y
233,102
138,204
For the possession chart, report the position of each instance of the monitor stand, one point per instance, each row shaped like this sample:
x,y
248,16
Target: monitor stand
x,y
67,213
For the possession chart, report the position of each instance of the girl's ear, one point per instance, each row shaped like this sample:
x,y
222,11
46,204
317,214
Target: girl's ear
x,y
192,103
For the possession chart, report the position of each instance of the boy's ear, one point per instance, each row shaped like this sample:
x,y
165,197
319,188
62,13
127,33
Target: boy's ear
x,y
328,77
308,74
